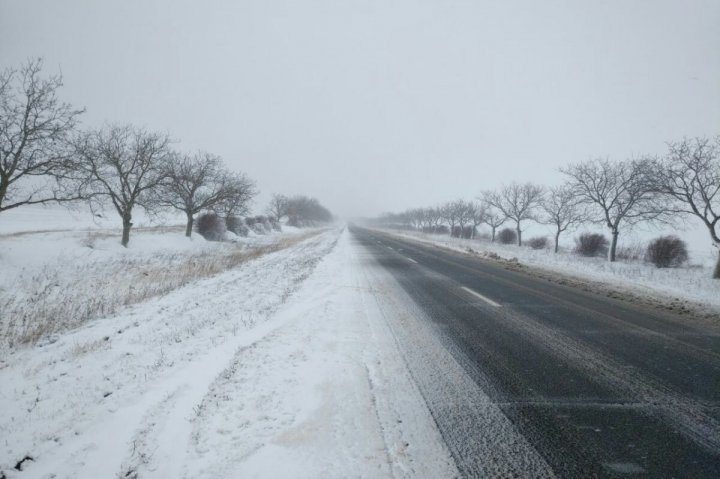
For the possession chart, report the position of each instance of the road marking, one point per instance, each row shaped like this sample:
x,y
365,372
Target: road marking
x,y
487,300
411,260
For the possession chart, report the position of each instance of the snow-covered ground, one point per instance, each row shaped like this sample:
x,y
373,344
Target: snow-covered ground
x,y
688,283
289,355
281,366
58,277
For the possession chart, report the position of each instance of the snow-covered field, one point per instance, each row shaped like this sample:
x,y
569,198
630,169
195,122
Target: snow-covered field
x,y
57,278
278,366
692,283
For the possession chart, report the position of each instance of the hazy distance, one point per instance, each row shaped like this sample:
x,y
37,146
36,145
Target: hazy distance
x,y
376,106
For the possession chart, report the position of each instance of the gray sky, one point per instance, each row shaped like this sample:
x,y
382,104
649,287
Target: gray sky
x,y
382,105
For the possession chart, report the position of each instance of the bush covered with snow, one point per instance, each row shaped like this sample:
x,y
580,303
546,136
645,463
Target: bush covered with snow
x,y
591,245
538,242
667,252
237,225
507,236
259,224
211,226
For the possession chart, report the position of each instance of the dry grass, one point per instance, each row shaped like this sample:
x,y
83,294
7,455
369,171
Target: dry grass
x,y
66,297
81,349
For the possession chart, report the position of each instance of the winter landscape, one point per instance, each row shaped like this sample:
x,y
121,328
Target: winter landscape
x,y
359,239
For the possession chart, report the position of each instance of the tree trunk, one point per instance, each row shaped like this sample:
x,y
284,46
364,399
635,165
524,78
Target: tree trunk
x,y
519,233
188,228
716,273
493,233
127,224
557,241
613,244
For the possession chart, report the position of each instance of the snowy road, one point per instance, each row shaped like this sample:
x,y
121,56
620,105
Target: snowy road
x,y
354,354
527,378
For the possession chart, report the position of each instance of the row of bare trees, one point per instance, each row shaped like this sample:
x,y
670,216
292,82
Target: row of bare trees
x,y
298,210
618,194
45,157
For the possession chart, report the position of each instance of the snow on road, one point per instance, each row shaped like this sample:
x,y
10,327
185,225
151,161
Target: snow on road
x,y
282,367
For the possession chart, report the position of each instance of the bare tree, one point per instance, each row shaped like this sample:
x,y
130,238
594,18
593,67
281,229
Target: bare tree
x,y
494,219
35,138
239,192
690,177
562,209
517,202
449,214
278,207
478,215
434,217
416,217
463,214
194,183
620,191
122,165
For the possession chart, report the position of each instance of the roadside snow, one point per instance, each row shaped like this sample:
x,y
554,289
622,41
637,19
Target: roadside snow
x,y
689,283
281,367
57,280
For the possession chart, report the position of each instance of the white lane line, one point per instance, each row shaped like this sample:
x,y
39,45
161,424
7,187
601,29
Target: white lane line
x,y
411,260
487,300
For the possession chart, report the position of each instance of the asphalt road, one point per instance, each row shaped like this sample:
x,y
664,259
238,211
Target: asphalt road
x,y
593,387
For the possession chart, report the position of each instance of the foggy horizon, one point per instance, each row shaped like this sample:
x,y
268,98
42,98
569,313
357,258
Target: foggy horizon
x,y
383,106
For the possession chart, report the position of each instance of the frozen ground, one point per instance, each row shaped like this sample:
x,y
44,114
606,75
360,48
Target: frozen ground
x,y
280,367
691,283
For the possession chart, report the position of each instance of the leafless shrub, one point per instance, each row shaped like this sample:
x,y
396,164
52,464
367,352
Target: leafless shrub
x,y
211,226
667,252
237,225
591,244
632,252
81,349
90,239
538,242
507,236
259,224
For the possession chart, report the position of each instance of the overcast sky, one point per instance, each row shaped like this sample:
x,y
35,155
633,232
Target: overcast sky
x,y
374,106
